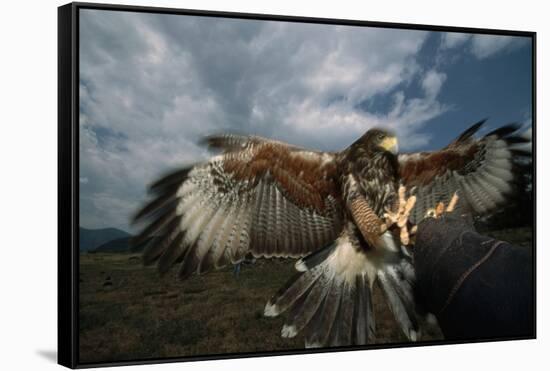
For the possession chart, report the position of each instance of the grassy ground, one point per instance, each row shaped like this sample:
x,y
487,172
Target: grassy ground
x,y
128,312
517,236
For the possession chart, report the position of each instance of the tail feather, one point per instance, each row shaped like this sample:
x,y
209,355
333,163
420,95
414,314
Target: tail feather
x,y
303,312
289,294
314,259
364,326
399,294
319,336
329,300
314,324
342,328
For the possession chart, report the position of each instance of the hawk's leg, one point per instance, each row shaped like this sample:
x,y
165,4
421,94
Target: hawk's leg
x,y
435,212
400,215
371,226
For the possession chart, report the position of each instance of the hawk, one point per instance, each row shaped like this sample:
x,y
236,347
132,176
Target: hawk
x,y
330,210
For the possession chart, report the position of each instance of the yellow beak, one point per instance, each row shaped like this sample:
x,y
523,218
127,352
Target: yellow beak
x,y
390,145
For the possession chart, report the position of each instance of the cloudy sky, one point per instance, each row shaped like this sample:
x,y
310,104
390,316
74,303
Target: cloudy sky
x,y
151,85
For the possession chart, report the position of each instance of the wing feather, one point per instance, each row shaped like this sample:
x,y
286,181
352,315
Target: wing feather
x,y
158,244
480,170
260,197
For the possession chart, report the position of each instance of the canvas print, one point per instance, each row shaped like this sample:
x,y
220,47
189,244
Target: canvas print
x,y
252,185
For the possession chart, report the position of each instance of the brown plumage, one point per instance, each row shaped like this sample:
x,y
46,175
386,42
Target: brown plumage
x,y
481,171
266,198
306,180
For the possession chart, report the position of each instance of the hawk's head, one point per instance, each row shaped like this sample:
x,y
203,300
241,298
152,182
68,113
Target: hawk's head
x,y
376,140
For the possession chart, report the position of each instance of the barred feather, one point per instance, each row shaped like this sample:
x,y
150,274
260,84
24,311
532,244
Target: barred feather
x,y
399,293
480,170
252,199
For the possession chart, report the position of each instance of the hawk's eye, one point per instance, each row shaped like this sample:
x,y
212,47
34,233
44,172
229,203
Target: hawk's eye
x,y
380,136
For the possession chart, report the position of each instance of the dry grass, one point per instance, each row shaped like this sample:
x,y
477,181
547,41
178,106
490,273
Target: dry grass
x,y
128,312
517,236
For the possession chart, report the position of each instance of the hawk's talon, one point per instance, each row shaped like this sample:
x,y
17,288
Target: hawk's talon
x,y
452,203
400,217
440,208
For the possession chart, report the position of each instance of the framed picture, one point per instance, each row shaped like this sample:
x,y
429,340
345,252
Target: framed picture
x,y
237,185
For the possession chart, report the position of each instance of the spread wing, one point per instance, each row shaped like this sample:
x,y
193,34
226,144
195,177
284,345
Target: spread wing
x,y
480,170
258,197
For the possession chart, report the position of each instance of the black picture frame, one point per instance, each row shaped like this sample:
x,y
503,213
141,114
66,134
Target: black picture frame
x,y
68,172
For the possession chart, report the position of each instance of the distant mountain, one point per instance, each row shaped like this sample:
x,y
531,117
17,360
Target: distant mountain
x,y
90,239
120,245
